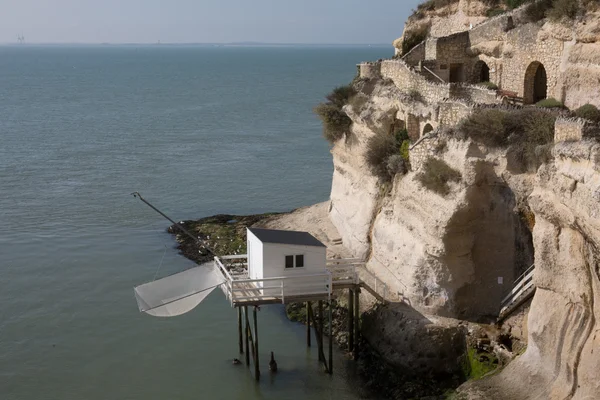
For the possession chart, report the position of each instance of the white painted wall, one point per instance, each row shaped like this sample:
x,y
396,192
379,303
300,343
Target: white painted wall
x,y
267,260
274,260
255,256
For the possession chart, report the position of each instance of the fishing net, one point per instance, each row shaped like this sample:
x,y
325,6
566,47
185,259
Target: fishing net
x,y
179,293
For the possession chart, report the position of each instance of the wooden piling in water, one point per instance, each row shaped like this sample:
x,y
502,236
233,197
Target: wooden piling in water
x,y
319,337
330,366
256,364
246,336
308,313
240,338
350,320
320,316
356,322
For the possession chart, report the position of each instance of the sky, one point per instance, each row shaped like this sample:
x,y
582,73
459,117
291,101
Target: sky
x,y
204,21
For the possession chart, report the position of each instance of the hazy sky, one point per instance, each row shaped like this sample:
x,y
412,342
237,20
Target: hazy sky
x,y
185,21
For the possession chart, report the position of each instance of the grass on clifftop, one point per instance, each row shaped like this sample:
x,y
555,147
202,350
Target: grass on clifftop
x,y
526,132
336,122
555,10
437,174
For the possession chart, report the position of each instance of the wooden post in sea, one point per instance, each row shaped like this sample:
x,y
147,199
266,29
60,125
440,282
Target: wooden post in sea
x,y
350,320
330,366
320,316
308,306
240,338
356,322
256,366
246,336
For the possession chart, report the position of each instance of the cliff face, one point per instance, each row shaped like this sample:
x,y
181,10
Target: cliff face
x,y
444,254
456,255
561,361
443,21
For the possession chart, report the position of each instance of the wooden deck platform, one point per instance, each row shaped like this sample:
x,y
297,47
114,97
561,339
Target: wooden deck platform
x,y
240,290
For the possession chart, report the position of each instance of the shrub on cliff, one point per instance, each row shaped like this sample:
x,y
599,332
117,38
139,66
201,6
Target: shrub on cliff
x,y
379,149
562,9
414,37
550,103
534,146
486,126
522,131
488,85
538,10
340,96
515,3
437,174
388,155
589,112
336,122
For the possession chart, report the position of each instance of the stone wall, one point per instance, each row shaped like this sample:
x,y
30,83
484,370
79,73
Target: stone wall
x,y
523,46
370,70
474,94
430,49
452,113
492,30
407,80
423,149
574,129
415,55
452,49
568,130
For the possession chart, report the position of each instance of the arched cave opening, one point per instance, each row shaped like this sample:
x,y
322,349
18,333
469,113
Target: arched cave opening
x,y
536,83
428,128
481,72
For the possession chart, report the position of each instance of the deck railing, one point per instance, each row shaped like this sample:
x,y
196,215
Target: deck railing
x,y
523,286
240,288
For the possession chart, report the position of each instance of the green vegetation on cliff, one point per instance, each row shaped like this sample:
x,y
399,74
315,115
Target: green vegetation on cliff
x,y
387,155
336,122
527,133
589,112
437,174
538,9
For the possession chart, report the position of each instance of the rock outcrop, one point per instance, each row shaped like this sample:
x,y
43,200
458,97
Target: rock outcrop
x,y
561,361
456,255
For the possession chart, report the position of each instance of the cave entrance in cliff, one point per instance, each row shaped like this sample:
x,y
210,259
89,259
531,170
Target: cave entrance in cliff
x,y
481,72
536,83
428,128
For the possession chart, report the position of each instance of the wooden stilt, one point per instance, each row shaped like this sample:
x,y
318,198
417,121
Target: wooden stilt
x,y
356,322
319,337
308,313
350,320
240,338
320,316
330,364
246,335
256,366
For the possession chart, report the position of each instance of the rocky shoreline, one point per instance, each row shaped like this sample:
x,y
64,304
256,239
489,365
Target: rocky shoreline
x,y
226,234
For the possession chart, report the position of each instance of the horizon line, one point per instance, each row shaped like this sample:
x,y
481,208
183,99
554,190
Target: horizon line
x,y
190,44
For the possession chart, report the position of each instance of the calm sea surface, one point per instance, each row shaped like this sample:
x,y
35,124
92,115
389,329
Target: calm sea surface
x,y
197,131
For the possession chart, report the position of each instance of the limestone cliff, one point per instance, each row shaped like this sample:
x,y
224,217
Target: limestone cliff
x,y
456,255
451,17
561,361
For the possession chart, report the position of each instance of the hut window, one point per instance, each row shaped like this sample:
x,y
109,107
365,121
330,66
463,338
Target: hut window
x,y
289,261
294,261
